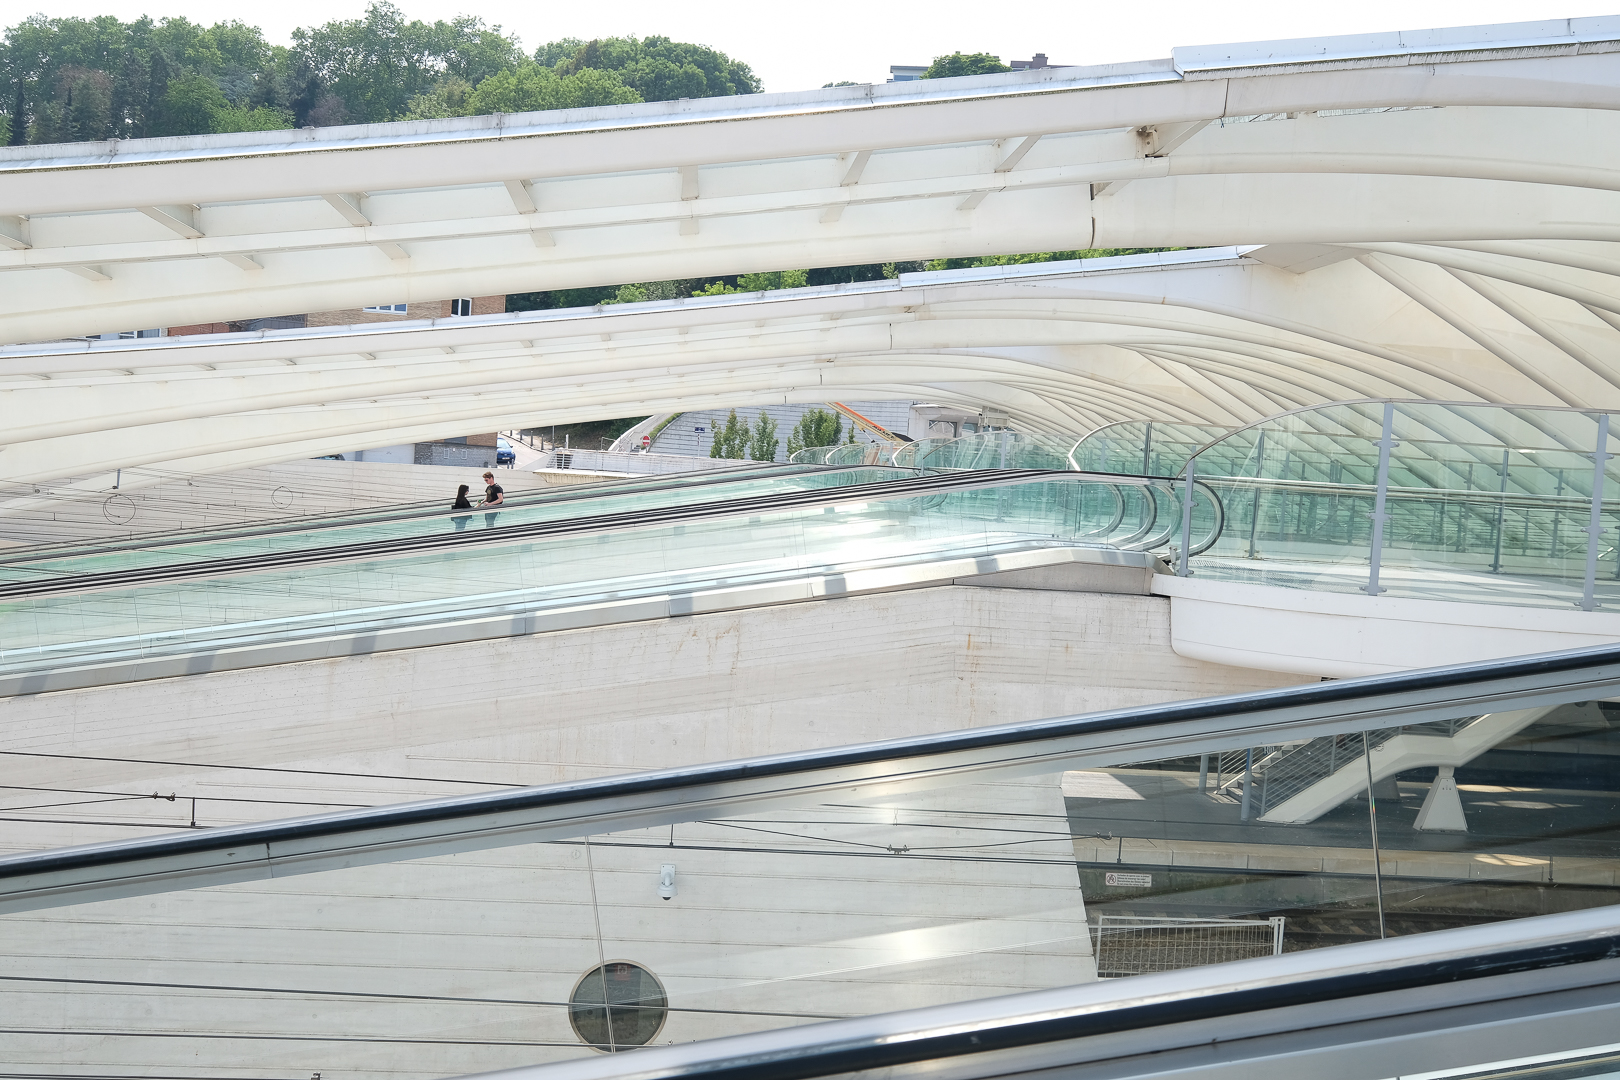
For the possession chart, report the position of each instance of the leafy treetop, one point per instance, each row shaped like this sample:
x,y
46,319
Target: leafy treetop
x,y
959,63
73,79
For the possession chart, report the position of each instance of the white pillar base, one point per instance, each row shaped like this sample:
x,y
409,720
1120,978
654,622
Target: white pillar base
x,y
1442,808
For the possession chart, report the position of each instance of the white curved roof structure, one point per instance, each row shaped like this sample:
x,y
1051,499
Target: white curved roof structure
x,y
1482,133
1216,336
1438,217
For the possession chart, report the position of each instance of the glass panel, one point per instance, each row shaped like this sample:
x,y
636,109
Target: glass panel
x,y
1485,503
394,523
607,566
827,907
859,453
1143,447
1000,450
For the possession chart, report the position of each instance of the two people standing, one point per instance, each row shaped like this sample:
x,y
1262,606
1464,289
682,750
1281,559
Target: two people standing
x,y
494,495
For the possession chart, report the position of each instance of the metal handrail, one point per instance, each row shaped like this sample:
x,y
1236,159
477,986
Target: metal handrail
x,y
646,800
1364,1001
398,547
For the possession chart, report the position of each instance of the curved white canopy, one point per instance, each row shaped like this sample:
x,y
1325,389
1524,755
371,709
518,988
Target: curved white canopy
x,y
1218,336
1479,134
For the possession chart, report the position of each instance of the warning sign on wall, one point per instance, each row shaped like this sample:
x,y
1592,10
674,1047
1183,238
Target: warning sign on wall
x,y
1129,881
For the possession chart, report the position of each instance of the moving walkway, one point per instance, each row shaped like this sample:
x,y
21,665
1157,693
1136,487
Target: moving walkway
x,y
84,614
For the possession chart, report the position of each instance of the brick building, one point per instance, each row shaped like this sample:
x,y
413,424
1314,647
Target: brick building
x,y
426,309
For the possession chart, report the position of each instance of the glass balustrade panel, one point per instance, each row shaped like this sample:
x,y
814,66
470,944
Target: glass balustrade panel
x,y
1483,503
880,896
600,567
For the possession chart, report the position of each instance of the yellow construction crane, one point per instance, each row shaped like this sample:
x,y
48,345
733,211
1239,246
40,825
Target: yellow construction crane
x,y
873,426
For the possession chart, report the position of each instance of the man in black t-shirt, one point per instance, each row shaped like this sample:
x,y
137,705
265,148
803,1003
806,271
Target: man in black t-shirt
x,y
494,495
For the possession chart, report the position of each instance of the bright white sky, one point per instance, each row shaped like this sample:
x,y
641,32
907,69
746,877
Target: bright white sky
x,y
804,45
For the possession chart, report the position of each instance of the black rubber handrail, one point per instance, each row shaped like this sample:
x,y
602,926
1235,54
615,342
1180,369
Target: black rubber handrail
x,y
1593,673
861,1045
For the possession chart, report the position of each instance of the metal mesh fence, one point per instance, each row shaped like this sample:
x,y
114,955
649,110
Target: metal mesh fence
x,y
1136,945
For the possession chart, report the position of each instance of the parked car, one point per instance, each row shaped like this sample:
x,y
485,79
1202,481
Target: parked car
x,y
503,452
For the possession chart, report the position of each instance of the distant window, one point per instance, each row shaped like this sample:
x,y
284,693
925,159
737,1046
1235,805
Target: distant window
x,y
617,1006
386,309
461,307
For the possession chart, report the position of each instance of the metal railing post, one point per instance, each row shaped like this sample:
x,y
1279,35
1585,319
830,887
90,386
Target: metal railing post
x,y
1248,781
1186,519
1557,515
1259,467
1376,556
1147,449
1594,531
1501,512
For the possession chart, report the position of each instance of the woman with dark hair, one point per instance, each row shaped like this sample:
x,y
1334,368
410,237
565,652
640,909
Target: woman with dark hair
x,y
462,503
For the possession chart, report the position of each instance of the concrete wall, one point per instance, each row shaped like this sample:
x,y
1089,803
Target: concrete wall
x,y
780,918
466,455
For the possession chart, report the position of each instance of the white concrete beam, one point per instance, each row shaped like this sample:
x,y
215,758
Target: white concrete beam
x,y
14,233
349,207
180,220
522,197
1025,145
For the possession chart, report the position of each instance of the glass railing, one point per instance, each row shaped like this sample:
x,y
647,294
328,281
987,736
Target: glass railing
x,y
811,455
1142,447
1420,499
373,513
860,453
548,924
240,605
375,526
1001,450
910,455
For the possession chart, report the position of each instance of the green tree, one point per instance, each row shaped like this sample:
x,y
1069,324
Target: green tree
x,y
447,98
190,104
958,63
80,110
763,443
532,87
1035,257
767,281
730,441
258,118
657,68
817,427
63,79
376,65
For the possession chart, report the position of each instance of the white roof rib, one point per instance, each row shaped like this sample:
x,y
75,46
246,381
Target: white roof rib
x,y
1445,229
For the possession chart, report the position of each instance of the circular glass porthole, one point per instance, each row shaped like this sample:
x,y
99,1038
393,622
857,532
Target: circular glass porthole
x,y
617,1006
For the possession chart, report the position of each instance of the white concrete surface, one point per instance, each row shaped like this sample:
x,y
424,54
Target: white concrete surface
x,y
1340,635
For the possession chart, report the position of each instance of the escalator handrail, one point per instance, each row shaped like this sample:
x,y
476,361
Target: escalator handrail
x,y
1442,972
194,859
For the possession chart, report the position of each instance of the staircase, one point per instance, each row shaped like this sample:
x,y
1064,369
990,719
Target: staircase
x,y
1314,777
